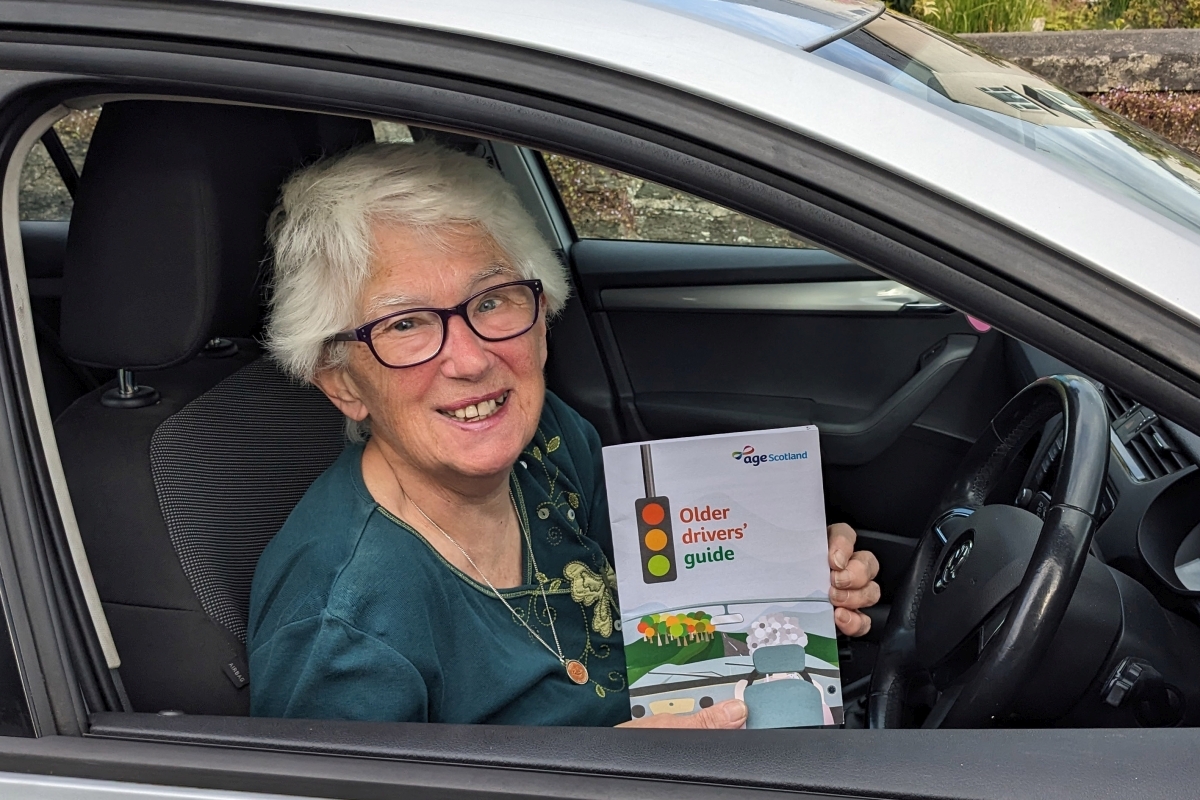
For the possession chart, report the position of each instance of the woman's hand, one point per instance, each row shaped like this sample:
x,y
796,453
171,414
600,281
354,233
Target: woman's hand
x,y
852,583
727,714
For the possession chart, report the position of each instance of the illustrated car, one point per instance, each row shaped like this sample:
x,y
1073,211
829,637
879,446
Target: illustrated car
x,y
983,290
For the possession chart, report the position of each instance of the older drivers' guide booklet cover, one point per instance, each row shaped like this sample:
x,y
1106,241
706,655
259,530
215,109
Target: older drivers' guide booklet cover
x,y
723,576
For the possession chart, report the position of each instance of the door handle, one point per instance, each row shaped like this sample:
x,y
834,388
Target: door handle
x,y
858,442
925,307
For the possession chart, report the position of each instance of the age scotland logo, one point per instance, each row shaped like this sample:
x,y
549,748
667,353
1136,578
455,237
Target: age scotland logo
x,y
747,456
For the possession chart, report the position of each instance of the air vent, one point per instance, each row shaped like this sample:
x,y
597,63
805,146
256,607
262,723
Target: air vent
x,y
1147,447
1108,502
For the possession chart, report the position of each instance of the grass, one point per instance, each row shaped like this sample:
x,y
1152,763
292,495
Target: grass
x,y
979,16
643,656
995,16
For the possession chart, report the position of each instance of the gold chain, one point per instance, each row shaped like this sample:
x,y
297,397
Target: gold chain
x,y
537,574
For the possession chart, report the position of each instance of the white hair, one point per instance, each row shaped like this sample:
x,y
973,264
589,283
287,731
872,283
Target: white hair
x,y
321,236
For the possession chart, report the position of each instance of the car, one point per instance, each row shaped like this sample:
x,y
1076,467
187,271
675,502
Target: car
x,y
980,287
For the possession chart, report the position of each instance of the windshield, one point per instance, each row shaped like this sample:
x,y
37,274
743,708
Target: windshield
x,y
1005,99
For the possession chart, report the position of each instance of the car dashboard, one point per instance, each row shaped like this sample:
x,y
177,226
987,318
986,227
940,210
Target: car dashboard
x,y
1153,530
1129,645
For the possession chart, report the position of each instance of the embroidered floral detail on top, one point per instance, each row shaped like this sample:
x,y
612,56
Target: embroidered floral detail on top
x,y
592,590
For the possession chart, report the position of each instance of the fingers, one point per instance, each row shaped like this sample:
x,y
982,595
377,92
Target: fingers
x,y
852,583
851,623
854,598
841,545
726,715
859,572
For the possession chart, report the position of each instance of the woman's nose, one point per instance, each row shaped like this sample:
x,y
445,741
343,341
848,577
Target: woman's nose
x,y
464,354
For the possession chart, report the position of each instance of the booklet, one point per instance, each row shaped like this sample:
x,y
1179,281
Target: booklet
x,y
723,576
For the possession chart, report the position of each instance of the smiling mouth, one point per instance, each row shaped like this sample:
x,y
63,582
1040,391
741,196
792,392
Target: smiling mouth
x,y
479,411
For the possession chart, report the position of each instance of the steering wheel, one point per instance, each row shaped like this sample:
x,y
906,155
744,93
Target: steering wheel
x,y
979,552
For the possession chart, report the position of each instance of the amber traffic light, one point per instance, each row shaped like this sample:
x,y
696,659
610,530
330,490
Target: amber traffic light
x,y
655,541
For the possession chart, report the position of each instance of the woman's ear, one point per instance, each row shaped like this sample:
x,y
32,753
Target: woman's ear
x,y
339,387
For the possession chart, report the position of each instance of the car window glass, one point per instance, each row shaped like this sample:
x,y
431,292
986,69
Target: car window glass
x,y
43,195
603,203
977,86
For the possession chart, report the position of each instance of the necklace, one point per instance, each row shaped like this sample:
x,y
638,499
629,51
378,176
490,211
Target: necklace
x,y
576,671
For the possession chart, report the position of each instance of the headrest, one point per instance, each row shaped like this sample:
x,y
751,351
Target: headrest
x,y
167,235
779,658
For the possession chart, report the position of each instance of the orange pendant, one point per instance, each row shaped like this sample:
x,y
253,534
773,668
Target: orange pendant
x,y
577,672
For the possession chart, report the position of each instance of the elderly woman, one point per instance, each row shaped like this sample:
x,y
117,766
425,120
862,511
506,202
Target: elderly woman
x,y
422,577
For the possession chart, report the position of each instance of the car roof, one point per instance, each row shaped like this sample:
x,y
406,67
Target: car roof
x,y
692,46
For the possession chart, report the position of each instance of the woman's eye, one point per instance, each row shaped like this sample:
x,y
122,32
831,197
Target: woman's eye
x,y
488,304
404,325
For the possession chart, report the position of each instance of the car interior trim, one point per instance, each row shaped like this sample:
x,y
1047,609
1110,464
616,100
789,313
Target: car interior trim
x,y
54,647
18,285
840,297
1127,461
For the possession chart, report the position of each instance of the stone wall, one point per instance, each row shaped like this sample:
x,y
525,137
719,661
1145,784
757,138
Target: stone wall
x,y
1150,76
1091,62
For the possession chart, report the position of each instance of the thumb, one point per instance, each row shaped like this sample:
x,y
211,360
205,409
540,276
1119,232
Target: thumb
x,y
722,716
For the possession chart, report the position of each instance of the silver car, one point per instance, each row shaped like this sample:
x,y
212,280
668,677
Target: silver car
x,y
983,290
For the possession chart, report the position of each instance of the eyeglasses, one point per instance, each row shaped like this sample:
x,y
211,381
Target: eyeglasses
x,y
415,335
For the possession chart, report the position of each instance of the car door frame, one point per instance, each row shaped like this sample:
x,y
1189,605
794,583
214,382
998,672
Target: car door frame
x,y
829,197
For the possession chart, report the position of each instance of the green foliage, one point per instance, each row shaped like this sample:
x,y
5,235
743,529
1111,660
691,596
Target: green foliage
x,y
1161,14
994,16
978,16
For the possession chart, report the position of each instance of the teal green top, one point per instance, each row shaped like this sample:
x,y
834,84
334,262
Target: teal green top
x,y
354,616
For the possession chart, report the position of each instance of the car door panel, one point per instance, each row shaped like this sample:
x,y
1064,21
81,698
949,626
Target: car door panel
x,y
610,264
717,339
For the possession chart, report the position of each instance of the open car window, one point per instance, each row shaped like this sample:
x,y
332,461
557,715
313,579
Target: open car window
x,y
603,203
43,193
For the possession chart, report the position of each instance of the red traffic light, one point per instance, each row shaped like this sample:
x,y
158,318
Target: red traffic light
x,y
653,514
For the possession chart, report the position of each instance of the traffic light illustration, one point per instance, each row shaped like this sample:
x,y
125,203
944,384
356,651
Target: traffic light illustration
x,y
655,540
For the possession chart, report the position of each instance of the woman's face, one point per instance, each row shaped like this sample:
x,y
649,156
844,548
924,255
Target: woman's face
x,y
412,410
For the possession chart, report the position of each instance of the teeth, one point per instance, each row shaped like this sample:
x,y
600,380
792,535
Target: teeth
x,y
479,410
